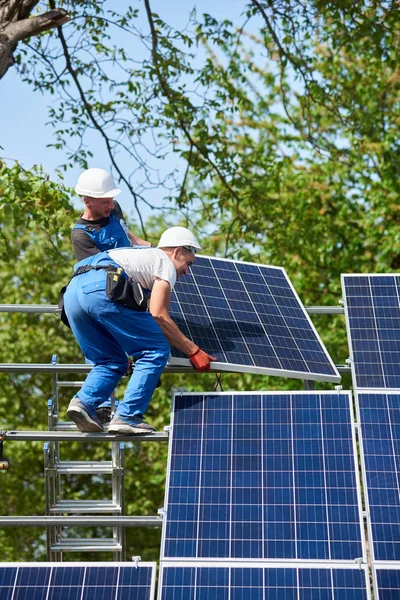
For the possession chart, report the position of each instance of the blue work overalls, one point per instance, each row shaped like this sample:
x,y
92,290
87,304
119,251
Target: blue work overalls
x,y
113,235
109,237
108,333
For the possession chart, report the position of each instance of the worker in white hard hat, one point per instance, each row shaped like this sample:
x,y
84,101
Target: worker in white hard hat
x,y
108,331
102,225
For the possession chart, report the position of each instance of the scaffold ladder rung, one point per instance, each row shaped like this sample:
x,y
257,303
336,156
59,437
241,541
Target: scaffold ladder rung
x,y
70,467
85,506
84,545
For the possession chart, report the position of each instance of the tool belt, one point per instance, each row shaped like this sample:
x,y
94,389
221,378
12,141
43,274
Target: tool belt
x,y
119,289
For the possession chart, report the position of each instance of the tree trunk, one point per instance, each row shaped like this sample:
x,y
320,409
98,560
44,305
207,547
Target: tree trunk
x,y
6,54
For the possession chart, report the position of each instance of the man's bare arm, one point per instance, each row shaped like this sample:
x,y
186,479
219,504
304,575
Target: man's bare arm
x,y
137,241
159,307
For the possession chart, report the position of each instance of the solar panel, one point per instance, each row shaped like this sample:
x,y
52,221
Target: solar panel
x,y
260,583
372,308
262,475
74,581
387,583
250,318
380,433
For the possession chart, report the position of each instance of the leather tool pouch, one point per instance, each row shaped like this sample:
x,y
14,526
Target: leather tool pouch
x,y
125,291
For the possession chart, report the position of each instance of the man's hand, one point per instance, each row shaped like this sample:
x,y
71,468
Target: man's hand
x,y
201,360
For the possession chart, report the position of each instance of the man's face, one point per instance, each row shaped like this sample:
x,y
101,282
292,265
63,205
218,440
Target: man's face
x,y
99,207
183,260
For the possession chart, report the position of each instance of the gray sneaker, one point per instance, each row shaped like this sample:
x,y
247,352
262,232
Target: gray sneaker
x,y
83,416
104,414
137,426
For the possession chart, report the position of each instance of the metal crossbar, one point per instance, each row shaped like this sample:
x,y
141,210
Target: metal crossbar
x,y
77,436
53,309
54,368
71,368
85,521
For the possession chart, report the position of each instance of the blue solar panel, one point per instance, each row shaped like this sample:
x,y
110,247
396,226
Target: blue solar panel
x,y
262,475
97,581
380,430
260,583
373,320
387,584
250,318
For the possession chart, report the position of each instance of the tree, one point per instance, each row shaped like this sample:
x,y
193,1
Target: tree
x,y
158,91
286,131
15,26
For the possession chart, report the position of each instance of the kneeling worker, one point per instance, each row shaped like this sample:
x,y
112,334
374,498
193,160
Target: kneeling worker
x,y
108,332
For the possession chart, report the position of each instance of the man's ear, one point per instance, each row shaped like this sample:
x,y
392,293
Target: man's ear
x,y
177,251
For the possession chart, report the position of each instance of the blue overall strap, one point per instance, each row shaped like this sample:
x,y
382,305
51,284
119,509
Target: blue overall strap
x,y
113,235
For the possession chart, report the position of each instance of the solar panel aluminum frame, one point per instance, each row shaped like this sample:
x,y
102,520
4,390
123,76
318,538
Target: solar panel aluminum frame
x,y
385,392
321,563
219,367
262,565
348,330
140,564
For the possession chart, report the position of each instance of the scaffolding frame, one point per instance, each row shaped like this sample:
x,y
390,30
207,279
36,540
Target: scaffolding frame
x,y
58,431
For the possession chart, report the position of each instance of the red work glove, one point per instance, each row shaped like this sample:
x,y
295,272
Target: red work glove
x,y
201,360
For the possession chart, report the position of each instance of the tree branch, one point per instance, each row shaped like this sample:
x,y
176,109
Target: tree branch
x,y
13,30
96,124
21,30
9,10
25,8
169,94
16,10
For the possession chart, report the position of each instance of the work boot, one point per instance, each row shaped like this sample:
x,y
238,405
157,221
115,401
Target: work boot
x,y
136,426
83,416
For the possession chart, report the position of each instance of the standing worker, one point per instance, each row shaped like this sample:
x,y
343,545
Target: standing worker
x,y
102,226
108,331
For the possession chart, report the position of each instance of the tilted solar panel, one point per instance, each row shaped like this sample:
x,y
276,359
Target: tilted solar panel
x,y
250,318
259,583
372,306
380,434
265,475
387,583
74,581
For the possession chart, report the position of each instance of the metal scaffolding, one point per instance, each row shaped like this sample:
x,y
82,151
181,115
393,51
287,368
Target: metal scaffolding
x,y
63,513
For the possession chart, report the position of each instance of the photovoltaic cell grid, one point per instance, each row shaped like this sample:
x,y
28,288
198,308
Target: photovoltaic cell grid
x,y
373,320
239,583
76,582
250,318
380,431
262,476
387,584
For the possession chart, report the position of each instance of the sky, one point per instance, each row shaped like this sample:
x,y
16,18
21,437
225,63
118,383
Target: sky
x,y
24,135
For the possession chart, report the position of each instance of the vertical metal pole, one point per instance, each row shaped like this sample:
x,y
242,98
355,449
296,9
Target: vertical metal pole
x,y
309,385
118,495
55,532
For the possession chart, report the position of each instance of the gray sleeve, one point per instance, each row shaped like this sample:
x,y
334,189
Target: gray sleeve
x,y
82,244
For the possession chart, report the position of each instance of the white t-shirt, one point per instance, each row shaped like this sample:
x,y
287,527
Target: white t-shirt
x,y
144,265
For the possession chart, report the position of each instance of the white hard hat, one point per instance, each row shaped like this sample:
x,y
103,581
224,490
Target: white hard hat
x,y
96,183
178,236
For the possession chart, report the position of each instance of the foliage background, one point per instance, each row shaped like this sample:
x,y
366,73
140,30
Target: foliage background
x,y
285,126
